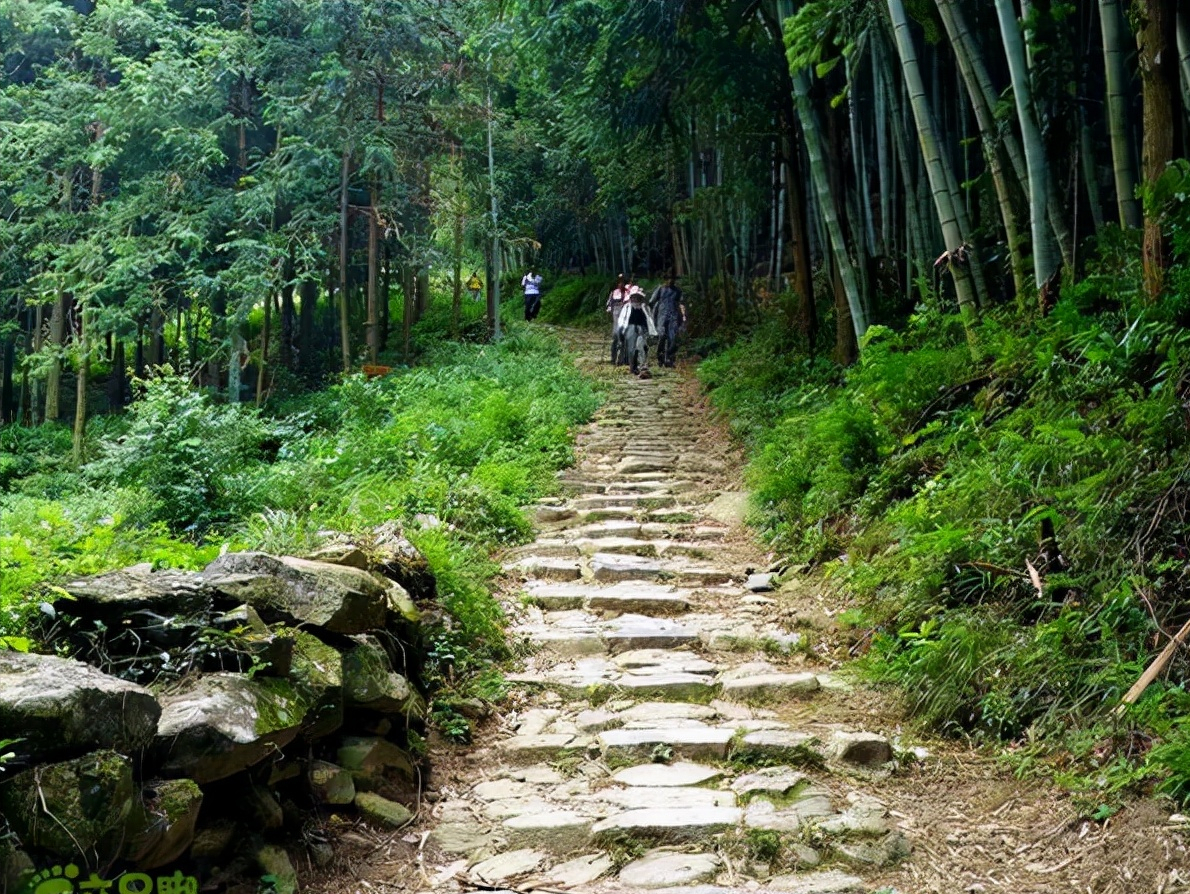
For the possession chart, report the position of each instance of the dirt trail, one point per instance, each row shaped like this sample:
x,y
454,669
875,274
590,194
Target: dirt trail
x,y
678,725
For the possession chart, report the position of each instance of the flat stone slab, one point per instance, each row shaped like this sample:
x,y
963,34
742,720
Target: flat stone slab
x,y
659,713
642,632
707,743
812,804
868,750
730,508
624,546
653,776
663,824
624,499
674,686
613,567
530,749
507,865
640,797
573,873
638,597
759,583
661,869
770,781
559,832
546,568
830,882
782,745
610,528
55,706
645,660
769,686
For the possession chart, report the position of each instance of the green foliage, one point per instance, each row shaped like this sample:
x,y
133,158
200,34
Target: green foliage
x,y
460,443
925,483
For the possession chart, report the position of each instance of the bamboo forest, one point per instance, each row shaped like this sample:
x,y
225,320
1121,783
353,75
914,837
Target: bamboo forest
x,y
598,446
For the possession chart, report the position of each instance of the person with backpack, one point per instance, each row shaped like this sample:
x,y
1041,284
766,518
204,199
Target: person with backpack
x,y
616,301
670,312
531,283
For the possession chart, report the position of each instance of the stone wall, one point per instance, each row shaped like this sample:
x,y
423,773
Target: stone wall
x,y
206,720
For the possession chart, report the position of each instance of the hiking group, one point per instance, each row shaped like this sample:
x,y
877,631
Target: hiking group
x,y
635,320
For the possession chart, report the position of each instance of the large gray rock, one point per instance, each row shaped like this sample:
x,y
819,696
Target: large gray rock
x,y
222,723
316,672
374,762
59,707
164,822
75,806
662,869
369,680
339,598
118,594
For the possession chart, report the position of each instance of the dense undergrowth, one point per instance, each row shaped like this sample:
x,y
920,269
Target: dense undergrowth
x,y
451,449
1013,527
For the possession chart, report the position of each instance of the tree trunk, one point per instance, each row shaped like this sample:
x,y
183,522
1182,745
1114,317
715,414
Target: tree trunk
x,y
1111,25
82,380
1183,27
307,315
8,355
373,282
288,313
344,317
408,293
266,328
53,378
936,165
119,378
956,30
826,203
235,372
456,304
494,273
1156,41
156,336
1044,261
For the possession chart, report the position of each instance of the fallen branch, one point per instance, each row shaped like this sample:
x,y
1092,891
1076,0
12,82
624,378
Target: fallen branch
x,y
1154,669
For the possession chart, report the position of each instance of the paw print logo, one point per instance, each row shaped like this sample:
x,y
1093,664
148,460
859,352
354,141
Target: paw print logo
x,y
55,880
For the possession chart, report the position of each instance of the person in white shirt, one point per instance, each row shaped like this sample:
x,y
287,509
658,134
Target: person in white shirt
x,y
531,283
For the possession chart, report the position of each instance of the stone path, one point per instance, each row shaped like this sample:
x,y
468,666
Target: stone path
x,y
665,736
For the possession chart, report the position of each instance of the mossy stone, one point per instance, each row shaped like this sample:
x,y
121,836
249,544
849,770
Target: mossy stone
x,y
163,823
382,811
78,804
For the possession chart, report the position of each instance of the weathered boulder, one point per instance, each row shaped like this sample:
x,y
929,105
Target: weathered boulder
x,y
382,811
339,598
387,551
369,680
77,805
58,707
373,762
163,822
118,595
274,862
219,724
316,672
330,784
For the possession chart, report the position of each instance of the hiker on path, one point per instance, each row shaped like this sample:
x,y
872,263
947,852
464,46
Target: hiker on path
x,y
670,311
616,302
475,285
638,328
532,285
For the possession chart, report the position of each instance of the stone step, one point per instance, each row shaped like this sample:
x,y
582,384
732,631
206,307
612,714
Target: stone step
x,y
612,567
678,774
654,501
547,568
560,832
691,743
626,546
642,632
668,825
641,599
762,687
